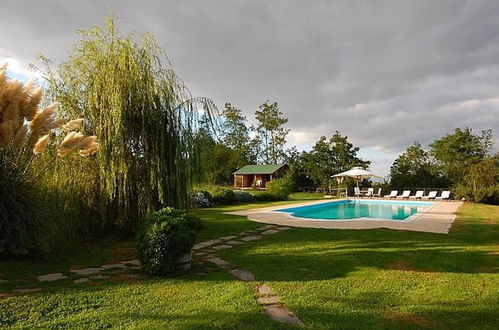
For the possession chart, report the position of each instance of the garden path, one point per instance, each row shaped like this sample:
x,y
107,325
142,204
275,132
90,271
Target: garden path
x,y
202,252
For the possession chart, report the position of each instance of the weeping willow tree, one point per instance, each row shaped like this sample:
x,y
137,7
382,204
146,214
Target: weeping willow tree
x,y
145,119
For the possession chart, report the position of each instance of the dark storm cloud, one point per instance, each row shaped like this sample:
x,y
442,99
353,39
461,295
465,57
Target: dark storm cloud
x,y
386,73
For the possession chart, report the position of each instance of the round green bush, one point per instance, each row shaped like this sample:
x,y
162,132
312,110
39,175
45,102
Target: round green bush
x,y
280,188
223,196
165,236
241,196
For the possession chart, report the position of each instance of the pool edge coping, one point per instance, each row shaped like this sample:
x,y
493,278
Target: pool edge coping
x,y
437,218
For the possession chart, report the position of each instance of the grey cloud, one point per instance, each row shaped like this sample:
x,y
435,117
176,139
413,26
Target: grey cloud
x,y
385,73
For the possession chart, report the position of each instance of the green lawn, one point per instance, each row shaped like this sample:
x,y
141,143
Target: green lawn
x,y
218,224
371,279
380,279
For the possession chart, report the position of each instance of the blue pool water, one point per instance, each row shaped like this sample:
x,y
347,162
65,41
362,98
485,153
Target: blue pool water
x,y
353,209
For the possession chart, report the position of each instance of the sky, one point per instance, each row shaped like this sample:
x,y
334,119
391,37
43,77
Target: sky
x,y
383,73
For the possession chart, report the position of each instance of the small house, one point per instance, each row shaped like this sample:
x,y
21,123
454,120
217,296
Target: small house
x,y
257,176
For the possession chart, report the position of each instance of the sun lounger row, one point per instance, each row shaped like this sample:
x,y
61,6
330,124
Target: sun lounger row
x,y
419,195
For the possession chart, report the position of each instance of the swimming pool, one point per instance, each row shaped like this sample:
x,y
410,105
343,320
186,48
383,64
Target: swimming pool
x,y
358,209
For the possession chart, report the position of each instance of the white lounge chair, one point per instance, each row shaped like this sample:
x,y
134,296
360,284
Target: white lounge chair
x,y
431,195
378,194
445,195
419,194
370,192
356,192
393,194
406,194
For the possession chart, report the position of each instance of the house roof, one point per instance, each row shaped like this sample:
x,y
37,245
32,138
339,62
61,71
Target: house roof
x,y
259,169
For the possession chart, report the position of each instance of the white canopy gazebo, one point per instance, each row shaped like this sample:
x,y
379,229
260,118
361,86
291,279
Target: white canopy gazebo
x,y
358,173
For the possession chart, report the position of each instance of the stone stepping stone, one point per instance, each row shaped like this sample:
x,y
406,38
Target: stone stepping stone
x,y
243,275
135,267
283,228
263,289
227,238
271,232
222,247
247,232
270,300
134,262
3,281
51,277
281,314
210,242
87,271
114,266
134,276
251,238
99,277
234,242
26,290
219,262
81,280
198,246
267,227
5,295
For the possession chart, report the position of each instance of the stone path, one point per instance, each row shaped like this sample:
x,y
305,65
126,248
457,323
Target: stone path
x,y
265,296
203,252
97,273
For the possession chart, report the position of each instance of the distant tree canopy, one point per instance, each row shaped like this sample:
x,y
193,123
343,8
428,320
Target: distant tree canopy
x,y
327,157
445,164
416,168
239,143
271,133
456,152
236,135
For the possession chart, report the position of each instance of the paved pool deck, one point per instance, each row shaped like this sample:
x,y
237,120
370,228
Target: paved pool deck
x,y
438,218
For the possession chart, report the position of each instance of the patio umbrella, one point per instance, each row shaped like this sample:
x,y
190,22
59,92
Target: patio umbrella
x,y
357,173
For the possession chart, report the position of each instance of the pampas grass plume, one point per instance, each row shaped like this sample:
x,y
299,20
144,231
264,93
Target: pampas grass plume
x,y
70,142
41,144
73,124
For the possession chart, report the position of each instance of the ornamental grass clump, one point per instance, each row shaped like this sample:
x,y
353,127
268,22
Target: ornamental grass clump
x,y
164,237
26,132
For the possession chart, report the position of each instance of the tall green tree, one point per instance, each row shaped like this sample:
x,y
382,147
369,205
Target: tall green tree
x,y
145,119
415,168
271,132
329,157
456,152
236,134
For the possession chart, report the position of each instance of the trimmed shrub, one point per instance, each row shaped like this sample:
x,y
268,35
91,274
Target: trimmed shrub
x,y
165,236
267,197
280,188
223,196
241,196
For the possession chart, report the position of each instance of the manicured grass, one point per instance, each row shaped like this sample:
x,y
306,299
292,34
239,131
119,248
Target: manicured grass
x,y
354,279
207,301
380,279
218,224
94,253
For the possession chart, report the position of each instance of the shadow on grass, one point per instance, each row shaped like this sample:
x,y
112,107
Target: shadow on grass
x,y
316,254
